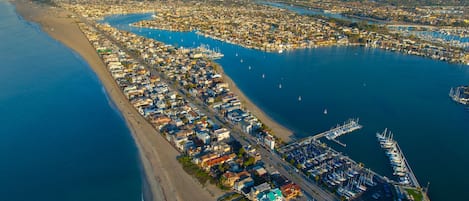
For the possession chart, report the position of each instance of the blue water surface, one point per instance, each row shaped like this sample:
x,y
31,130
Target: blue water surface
x,y
406,94
60,137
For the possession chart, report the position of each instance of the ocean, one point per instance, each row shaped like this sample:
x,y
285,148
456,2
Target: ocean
x,y
404,93
61,139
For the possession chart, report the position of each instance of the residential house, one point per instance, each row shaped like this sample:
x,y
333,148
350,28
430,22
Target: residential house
x,y
290,190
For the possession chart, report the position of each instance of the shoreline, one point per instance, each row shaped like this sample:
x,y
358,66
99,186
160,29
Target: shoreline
x,y
280,131
158,179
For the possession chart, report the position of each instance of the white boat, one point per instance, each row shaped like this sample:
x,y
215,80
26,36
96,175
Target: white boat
x,y
263,75
279,86
249,67
382,136
325,111
299,98
241,60
236,54
280,51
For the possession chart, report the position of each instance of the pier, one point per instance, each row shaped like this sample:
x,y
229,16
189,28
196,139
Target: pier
x,y
397,159
410,173
347,127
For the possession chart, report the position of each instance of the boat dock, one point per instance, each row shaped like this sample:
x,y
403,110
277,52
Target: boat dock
x,y
412,177
347,127
397,159
460,94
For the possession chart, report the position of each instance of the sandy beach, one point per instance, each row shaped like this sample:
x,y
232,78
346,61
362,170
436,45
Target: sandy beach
x,y
278,130
165,178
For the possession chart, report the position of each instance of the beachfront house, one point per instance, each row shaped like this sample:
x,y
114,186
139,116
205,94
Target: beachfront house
x,y
269,141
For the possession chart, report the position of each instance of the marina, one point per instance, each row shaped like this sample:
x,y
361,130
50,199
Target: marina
x,y
460,94
344,176
335,132
338,173
205,51
400,165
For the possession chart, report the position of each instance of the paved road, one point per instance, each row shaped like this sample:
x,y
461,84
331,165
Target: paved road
x,y
311,190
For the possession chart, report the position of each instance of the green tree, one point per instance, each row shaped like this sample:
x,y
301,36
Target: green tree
x,y
250,161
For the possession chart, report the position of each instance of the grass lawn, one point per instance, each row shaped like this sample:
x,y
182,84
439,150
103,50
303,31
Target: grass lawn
x,y
417,195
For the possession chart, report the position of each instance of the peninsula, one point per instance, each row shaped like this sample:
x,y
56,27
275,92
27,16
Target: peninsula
x,y
199,137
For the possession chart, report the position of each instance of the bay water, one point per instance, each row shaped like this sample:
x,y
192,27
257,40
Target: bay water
x,y
404,93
